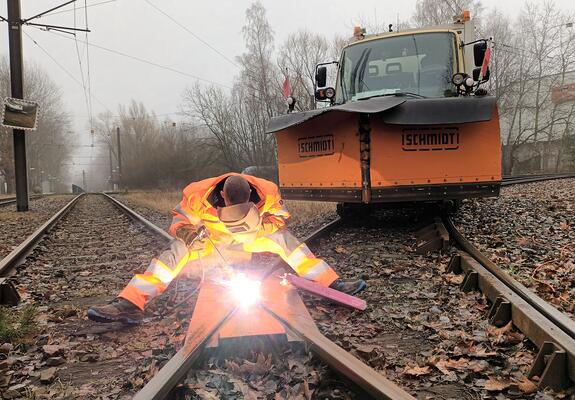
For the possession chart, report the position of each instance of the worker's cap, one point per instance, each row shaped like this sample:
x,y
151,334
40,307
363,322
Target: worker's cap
x,y
240,218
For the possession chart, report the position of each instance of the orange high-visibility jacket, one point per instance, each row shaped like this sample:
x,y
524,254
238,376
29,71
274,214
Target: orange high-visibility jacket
x,y
196,207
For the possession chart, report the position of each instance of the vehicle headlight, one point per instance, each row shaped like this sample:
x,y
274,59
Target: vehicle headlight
x,y
469,82
458,79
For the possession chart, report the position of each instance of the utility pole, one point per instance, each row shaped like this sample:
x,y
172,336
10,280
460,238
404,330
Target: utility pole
x,y
84,183
17,92
111,167
15,23
119,158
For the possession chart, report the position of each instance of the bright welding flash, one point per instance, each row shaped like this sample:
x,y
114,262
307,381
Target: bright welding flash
x,y
245,290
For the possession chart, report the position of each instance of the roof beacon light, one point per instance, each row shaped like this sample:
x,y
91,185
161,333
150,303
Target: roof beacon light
x,y
466,15
358,32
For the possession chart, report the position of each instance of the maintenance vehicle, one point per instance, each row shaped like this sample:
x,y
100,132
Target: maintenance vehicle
x,y
407,121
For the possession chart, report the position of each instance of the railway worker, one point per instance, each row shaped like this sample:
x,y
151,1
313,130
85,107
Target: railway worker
x,y
239,213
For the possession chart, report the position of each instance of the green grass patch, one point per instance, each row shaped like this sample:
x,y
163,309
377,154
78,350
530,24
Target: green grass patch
x,y
17,323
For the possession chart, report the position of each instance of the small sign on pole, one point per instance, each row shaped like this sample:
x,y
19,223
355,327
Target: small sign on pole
x,y
19,114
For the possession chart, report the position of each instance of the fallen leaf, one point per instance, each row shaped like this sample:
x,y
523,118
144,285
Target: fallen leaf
x,y
496,385
416,371
452,278
526,386
306,392
365,349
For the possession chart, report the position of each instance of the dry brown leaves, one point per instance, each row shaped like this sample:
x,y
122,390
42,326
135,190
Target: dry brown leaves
x,y
505,335
417,371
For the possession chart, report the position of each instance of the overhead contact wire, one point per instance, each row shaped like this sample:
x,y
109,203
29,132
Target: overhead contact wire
x,y
63,68
88,69
81,70
142,60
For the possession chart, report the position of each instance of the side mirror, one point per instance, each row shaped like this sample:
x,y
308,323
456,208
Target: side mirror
x,y
476,73
479,50
320,76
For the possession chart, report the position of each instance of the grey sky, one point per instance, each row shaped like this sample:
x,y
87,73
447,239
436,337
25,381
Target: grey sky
x,y
135,28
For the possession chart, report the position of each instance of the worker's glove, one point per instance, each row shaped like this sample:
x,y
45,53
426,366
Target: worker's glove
x,y
192,235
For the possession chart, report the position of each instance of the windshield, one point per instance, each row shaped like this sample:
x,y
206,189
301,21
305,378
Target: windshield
x,y
420,64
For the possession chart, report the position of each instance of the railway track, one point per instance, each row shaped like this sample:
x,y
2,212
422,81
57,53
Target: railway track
x,y
551,334
82,256
517,179
12,200
549,374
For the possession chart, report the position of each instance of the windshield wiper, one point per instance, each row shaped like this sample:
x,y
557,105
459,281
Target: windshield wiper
x,y
398,94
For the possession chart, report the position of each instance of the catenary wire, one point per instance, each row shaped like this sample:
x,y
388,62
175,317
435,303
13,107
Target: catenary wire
x,y
62,67
81,70
88,67
88,6
142,60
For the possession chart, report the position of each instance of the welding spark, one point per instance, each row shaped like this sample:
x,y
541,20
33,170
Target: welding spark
x,y
245,290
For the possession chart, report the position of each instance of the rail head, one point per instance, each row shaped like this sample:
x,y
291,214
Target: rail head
x,y
17,256
520,179
139,218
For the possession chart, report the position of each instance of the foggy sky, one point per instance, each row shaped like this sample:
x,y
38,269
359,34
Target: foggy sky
x,y
135,28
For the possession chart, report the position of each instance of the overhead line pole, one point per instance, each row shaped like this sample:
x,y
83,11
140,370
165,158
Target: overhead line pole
x,y
119,158
15,23
17,92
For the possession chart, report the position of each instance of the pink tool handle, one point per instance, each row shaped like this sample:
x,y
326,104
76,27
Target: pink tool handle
x,y
328,293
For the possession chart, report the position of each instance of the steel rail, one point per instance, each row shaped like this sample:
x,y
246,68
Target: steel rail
x,y
12,200
364,376
5,202
17,256
140,219
339,359
161,384
565,323
518,179
538,327
537,319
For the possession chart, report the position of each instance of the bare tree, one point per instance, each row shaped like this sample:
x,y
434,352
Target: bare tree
x,y
155,154
528,63
300,54
47,147
238,120
437,12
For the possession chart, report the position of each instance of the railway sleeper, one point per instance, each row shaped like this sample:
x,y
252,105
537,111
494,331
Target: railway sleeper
x,y
554,366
